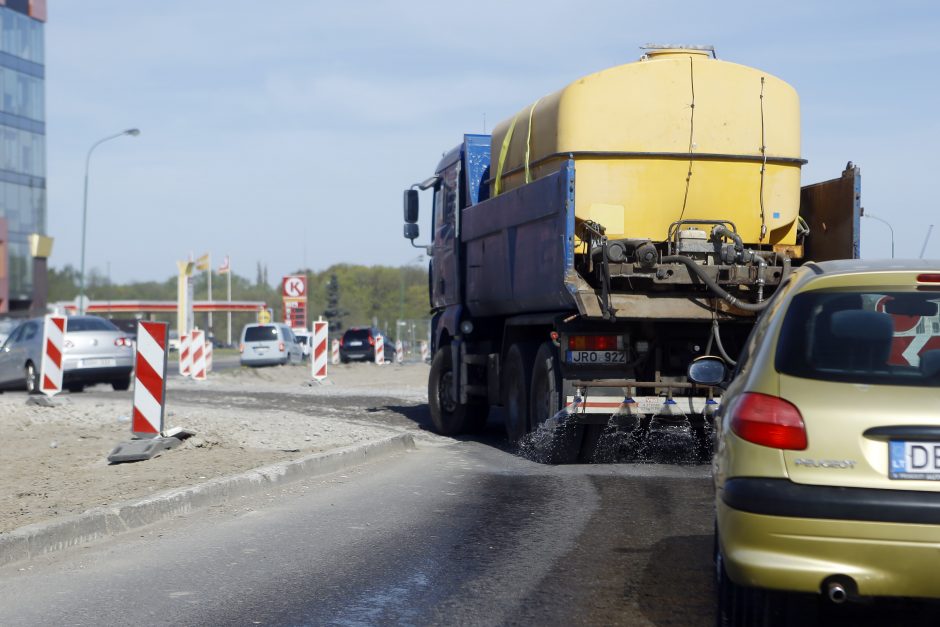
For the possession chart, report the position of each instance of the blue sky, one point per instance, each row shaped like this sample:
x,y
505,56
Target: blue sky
x,y
284,132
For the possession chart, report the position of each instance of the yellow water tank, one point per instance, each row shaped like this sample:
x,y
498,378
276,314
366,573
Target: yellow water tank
x,y
677,135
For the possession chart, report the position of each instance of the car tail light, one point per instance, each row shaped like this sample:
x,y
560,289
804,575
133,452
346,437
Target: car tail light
x,y
123,341
341,341
931,279
241,348
595,342
280,346
371,341
768,421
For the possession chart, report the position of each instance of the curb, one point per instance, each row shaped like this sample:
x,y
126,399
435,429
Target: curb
x,y
95,524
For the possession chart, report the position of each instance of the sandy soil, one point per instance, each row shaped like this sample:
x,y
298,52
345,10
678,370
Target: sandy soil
x,y
54,459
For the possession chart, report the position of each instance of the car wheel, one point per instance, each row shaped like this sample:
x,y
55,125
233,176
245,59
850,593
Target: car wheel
x,y
32,378
545,401
121,384
742,606
75,388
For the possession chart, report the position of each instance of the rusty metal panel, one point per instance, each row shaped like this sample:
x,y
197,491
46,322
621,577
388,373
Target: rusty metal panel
x,y
833,210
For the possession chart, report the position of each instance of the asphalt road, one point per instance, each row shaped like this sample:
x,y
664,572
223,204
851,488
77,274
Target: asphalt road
x,y
457,532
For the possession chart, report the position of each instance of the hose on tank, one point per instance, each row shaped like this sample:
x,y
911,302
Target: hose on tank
x,y
712,284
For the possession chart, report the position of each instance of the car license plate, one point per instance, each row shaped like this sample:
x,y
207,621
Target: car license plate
x,y
914,460
98,363
355,343
597,357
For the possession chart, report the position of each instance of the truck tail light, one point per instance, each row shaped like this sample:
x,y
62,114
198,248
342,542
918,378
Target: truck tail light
x,y
595,342
768,421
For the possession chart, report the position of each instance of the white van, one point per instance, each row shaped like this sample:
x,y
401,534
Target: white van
x,y
269,345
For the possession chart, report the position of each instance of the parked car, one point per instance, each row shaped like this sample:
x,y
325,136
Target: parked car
x,y
6,327
127,325
828,460
358,344
304,338
174,344
269,345
94,351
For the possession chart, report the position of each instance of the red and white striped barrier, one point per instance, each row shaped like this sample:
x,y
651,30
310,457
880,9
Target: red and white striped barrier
x,y
186,356
208,356
198,349
399,352
150,379
334,353
50,366
320,339
379,349
425,352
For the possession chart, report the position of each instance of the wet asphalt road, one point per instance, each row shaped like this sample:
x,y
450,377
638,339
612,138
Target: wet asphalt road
x,y
454,533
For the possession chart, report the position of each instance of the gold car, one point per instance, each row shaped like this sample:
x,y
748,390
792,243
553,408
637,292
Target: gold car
x,y
827,469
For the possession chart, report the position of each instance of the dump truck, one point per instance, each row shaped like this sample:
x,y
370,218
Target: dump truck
x,y
606,236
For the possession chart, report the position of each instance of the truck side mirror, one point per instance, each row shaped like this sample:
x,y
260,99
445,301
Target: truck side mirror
x,y
411,207
411,231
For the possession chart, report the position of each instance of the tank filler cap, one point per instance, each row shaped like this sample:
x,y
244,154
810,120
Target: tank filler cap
x,y
665,51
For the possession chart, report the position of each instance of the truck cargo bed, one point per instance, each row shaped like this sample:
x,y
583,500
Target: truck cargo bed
x,y
520,248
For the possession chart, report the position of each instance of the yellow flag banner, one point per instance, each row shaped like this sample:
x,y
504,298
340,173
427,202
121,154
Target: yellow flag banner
x,y
203,263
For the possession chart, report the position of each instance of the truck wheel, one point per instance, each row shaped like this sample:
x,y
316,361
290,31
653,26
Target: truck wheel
x,y
448,416
517,378
546,401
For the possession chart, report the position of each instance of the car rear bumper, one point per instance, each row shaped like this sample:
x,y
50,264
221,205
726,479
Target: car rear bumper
x,y
798,550
96,375
365,354
267,360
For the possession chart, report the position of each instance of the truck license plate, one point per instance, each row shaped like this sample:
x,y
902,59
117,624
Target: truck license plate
x,y
914,460
597,357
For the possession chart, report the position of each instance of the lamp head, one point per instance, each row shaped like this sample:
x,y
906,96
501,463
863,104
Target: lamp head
x,y
133,132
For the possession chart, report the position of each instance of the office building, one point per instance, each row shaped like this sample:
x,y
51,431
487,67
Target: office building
x,y
22,147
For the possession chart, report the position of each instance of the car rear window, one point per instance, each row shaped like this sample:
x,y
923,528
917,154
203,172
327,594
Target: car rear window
x,y
264,333
356,334
78,325
870,336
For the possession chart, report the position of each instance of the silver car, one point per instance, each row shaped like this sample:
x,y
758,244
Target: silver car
x,y
95,351
269,345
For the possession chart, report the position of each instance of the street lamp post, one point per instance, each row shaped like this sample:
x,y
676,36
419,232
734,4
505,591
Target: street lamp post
x,y
868,215
133,132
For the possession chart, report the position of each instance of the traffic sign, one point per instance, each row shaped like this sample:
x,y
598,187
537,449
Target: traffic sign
x,y
294,286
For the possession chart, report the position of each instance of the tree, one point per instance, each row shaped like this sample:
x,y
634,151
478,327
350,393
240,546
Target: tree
x,y
333,313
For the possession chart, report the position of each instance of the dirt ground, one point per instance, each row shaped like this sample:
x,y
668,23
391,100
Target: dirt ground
x,y
53,460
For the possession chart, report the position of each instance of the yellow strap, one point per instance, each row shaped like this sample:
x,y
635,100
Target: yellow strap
x,y
502,157
528,141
